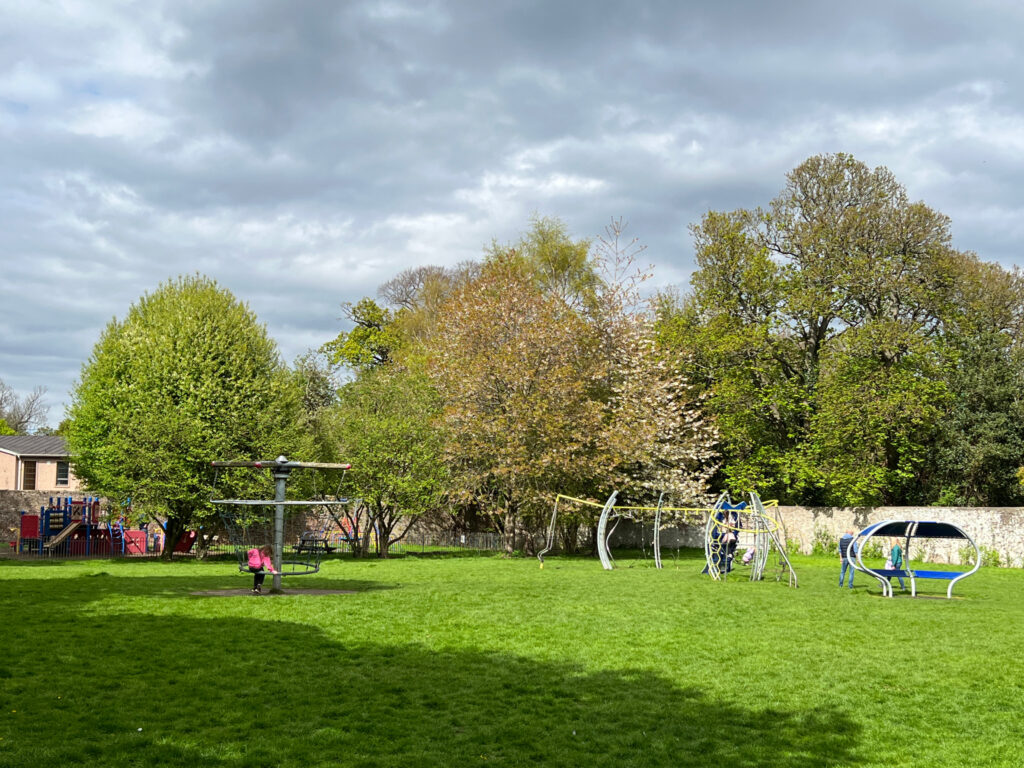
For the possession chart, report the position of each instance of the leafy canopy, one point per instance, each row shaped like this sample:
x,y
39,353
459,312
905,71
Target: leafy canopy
x,y
832,329
189,375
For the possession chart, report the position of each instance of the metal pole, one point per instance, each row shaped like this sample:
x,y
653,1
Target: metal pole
x,y
281,476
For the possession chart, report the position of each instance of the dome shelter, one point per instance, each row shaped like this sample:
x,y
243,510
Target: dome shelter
x,y
905,530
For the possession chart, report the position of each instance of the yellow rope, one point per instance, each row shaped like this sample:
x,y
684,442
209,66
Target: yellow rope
x,y
772,503
636,509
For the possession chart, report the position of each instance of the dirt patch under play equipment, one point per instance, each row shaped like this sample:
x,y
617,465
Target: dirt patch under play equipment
x,y
282,593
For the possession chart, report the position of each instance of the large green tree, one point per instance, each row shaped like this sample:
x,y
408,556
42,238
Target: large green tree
x,y
979,452
823,326
188,376
385,426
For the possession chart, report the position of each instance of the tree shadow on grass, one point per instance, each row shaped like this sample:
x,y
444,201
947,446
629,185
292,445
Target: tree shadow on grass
x,y
81,588
131,689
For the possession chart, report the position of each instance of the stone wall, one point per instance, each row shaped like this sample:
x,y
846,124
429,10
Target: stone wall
x,y
994,529
997,530
11,505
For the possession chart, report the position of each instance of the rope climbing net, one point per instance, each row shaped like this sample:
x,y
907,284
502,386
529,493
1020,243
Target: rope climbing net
x,y
727,527
745,525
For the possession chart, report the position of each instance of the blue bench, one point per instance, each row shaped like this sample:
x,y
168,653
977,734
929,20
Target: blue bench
x,y
890,573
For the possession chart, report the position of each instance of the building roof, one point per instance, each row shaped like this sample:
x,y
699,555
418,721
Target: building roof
x,y
34,445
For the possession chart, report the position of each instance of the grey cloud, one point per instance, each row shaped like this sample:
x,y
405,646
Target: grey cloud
x,y
301,153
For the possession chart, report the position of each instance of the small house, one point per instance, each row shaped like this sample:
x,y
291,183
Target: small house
x,y
36,463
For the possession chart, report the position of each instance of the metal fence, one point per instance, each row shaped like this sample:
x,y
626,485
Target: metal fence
x,y
443,542
447,541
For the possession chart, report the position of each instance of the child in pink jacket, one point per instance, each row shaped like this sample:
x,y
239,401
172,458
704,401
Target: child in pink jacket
x,y
260,562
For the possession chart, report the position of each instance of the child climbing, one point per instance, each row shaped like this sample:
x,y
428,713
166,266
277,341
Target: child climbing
x,y
260,563
748,556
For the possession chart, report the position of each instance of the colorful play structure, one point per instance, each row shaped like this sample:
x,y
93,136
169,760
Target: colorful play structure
x,y
68,527
906,531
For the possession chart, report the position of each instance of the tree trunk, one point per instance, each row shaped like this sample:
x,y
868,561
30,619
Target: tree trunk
x,y
172,535
388,522
384,527
356,535
509,526
367,532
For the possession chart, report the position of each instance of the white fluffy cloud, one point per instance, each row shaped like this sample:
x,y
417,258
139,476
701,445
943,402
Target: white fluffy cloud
x,y
302,153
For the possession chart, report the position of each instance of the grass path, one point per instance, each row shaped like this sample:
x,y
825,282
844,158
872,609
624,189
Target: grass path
x,y
481,661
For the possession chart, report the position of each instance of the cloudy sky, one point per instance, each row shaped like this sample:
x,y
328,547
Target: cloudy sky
x,y
303,152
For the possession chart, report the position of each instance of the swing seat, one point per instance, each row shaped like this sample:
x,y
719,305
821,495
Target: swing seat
x,y
289,568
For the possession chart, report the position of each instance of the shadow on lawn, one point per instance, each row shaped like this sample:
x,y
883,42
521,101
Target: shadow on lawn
x,y
83,588
130,689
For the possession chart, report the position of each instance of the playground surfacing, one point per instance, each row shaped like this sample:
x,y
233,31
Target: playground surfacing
x,y
282,593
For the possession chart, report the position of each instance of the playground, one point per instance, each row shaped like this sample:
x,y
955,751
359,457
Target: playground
x,y
69,527
485,660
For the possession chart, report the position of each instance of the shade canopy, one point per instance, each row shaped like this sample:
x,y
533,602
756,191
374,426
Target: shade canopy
x,y
915,529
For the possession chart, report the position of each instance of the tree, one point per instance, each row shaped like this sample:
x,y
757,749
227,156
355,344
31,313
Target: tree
x,y
819,325
372,340
188,376
516,370
21,414
384,425
978,453
548,389
5,429
554,262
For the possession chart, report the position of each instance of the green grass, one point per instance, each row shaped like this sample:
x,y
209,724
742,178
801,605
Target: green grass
x,y
485,661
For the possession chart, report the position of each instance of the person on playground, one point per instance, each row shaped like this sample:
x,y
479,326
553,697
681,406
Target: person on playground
x,y
730,539
895,561
748,556
260,562
847,551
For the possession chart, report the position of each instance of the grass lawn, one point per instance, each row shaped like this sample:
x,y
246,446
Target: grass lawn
x,y
485,661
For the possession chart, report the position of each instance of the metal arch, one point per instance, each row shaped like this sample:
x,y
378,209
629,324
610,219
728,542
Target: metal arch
x,y
908,533
883,582
771,528
549,543
657,532
602,526
977,562
608,538
713,552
